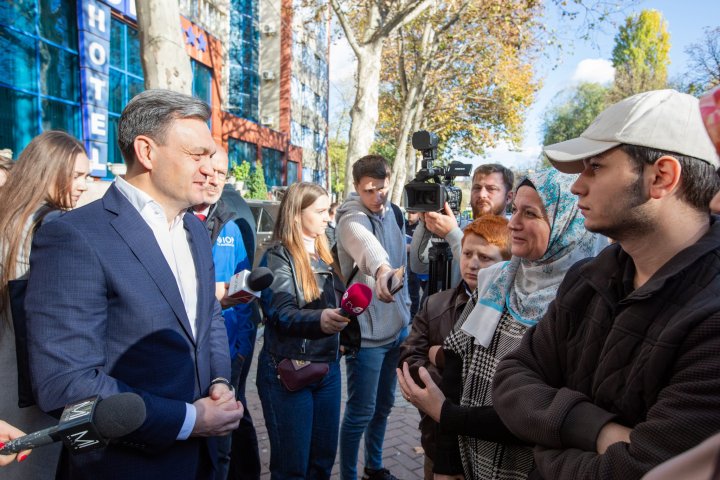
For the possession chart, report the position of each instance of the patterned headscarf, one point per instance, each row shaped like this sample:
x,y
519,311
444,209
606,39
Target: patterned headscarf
x,y
526,287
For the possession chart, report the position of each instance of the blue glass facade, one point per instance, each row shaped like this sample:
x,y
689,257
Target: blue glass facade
x,y
239,151
126,79
40,85
244,55
272,166
292,172
202,82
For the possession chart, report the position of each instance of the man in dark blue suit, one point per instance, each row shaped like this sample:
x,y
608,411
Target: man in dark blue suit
x,y
121,297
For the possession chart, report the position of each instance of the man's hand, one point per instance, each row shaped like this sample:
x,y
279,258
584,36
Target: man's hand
x,y
440,476
221,290
382,276
8,432
332,322
612,433
217,414
441,223
429,399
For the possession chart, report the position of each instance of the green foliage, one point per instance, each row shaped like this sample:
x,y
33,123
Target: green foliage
x,y
384,146
337,151
241,171
571,114
641,55
256,184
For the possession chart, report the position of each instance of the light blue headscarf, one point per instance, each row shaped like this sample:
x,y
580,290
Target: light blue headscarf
x,y
526,287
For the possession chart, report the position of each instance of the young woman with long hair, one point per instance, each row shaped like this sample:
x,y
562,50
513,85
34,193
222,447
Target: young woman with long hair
x,y
49,177
301,332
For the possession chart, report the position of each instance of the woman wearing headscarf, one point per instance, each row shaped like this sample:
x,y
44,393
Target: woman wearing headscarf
x,y
547,236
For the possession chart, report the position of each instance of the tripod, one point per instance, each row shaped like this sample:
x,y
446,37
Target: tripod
x,y
440,257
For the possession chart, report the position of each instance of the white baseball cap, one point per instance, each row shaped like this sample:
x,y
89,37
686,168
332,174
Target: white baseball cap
x,y
661,119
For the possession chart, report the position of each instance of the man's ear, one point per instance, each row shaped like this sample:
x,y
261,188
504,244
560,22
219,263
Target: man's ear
x,y
144,147
664,176
509,197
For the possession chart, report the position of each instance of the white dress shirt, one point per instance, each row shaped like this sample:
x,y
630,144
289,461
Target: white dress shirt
x,y
175,247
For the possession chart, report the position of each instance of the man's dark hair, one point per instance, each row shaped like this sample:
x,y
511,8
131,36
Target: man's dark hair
x,y
151,113
374,166
698,181
488,168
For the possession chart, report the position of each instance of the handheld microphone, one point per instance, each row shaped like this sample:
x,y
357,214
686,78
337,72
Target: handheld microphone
x,y
355,300
87,425
246,286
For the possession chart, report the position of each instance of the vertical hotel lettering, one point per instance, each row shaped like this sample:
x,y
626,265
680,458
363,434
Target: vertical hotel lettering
x,y
94,28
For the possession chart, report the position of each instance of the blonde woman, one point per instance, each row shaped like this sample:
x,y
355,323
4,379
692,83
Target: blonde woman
x,y
49,177
298,375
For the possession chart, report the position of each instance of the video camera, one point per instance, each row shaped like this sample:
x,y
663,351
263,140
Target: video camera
x,y
426,196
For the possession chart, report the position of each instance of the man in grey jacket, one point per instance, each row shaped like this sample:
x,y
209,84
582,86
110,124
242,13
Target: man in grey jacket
x,y
369,237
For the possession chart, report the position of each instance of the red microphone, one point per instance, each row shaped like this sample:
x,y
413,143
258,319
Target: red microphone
x,y
355,300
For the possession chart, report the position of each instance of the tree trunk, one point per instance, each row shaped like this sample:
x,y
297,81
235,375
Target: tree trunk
x,y
364,113
164,60
409,160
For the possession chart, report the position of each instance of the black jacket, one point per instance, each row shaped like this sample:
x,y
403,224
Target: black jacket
x,y
430,326
292,326
647,358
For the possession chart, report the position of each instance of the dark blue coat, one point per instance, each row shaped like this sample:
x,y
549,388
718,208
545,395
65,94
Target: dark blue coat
x,y
105,316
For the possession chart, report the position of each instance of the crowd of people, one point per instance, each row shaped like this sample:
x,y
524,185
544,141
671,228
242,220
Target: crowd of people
x,y
578,335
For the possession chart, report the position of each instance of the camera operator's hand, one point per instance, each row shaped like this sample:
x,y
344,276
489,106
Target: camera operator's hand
x,y
382,276
441,223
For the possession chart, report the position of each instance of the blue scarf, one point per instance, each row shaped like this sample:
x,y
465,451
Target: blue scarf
x,y
526,287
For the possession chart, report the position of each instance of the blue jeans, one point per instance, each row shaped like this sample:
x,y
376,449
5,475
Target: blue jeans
x,y
302,426
371,395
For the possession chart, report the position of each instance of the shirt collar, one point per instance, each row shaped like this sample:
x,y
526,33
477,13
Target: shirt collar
x,y
141,201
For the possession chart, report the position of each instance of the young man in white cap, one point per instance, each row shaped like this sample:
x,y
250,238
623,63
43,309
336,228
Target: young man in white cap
x,y
622,373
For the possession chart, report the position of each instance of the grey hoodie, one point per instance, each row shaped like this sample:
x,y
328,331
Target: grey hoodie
x,y
382,322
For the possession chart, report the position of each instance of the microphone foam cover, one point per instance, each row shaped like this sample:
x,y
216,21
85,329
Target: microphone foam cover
x,y
260,279
356,299
119,415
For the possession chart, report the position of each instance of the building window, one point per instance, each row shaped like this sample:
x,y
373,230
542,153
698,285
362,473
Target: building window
x,y
126,79
244,59
40,84
202,82
292,172
295,133
272,166
239,151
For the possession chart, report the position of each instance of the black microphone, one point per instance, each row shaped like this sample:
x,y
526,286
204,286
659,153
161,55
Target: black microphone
x,y
87,425
246,286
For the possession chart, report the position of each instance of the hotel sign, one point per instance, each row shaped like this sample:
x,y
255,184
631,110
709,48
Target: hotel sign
x,y
94,28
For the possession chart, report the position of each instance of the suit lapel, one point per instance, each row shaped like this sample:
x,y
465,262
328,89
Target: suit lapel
x,y
201,266
140,239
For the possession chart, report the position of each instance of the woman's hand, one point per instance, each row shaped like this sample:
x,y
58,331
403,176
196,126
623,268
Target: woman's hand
x,y
8,432
429,399
332,322
432,354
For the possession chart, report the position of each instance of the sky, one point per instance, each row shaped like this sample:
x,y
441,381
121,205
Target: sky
x,y
580,61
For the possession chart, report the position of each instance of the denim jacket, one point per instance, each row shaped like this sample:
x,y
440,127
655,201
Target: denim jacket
x,y
292,326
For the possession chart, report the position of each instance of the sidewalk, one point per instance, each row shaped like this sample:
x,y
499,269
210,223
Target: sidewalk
x,y
401,451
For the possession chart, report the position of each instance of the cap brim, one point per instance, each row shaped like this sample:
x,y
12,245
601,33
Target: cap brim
x,y
568,156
